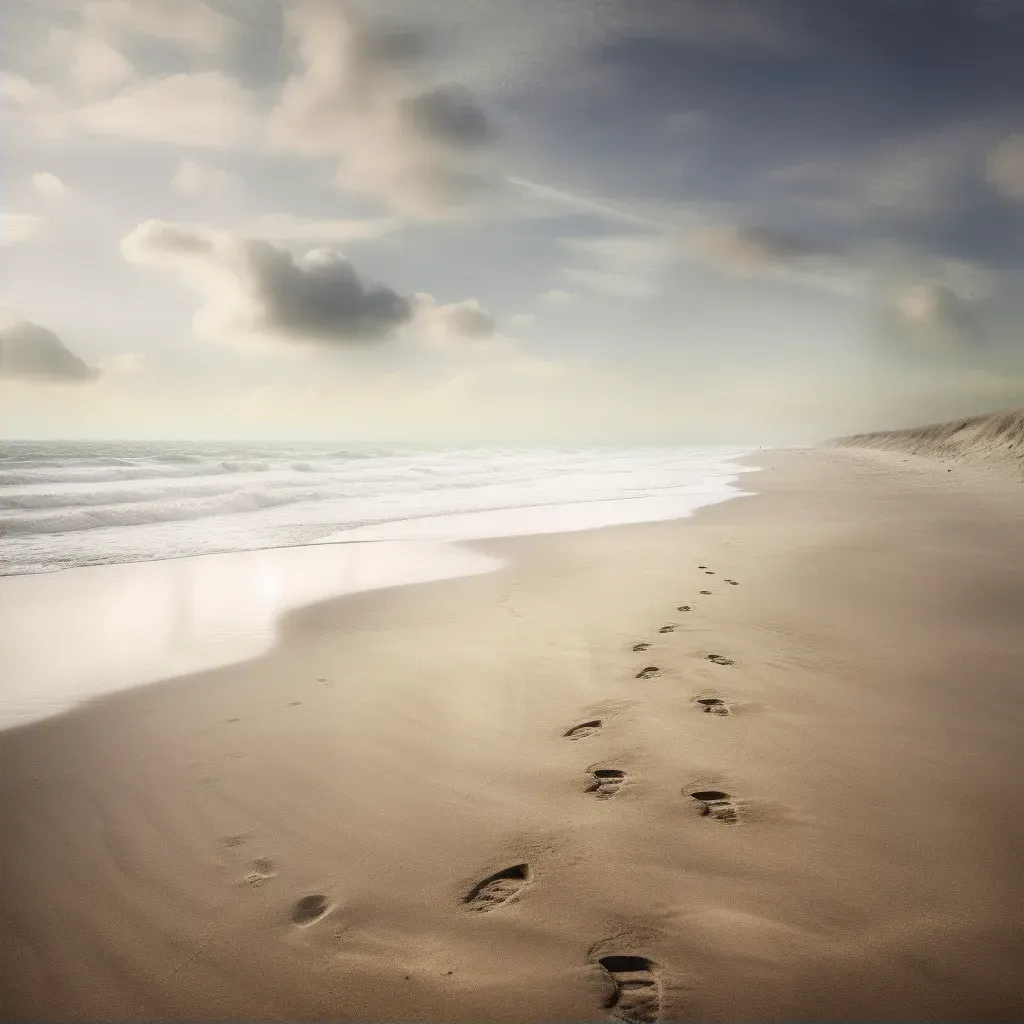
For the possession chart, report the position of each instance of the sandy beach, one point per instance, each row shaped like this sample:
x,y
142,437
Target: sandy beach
x,y
472,799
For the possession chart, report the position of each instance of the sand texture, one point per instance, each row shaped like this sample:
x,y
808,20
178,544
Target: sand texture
x,y
994,441
765,763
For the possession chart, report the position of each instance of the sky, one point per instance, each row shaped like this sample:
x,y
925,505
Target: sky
x,y
482,222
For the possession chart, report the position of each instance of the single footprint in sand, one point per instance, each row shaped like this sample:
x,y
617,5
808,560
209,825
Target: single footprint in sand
x,y
498,889
720,659
606,782
683,608
310,909
649,672
705,592
233,840
667,629
584,729
708,572
261,869
637,993
732,583
701,566
713,706
637,648
716,804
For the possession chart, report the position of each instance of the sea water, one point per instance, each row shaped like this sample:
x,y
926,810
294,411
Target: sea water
x,y
130,562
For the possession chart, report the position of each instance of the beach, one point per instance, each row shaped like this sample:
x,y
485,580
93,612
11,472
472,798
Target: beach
x,y
393,814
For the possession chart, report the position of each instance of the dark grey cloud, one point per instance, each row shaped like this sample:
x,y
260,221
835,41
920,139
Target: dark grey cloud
x,y
745,249
360,95
255,289
448,114
29,351
932,316
319,297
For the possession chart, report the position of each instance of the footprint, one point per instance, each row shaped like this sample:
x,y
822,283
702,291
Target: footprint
x,y
713,705
295,703
701,566
584,729
637,648
705,591
683,608
708,572
667,629
498,889
716,804
262,868
309,910
720,659
649,672
233,840
637,993
607,782
732,583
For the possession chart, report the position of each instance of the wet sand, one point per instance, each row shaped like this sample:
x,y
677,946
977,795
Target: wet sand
x,y
472,799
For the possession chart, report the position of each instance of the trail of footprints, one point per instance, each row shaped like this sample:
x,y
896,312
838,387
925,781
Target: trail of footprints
x,y
635,988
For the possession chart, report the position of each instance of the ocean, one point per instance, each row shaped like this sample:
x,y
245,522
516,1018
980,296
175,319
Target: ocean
x,y
125,564
68,504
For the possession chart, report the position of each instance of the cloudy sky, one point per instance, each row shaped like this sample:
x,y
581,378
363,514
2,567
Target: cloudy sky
x,y
473,221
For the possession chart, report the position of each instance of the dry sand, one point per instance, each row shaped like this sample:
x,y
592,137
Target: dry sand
x,y
296,837
993,441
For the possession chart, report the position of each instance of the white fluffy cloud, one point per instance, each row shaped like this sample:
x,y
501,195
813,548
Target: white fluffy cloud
x,y
194,24
932,315
454,325
1006,167
361,97
48,184
195,179
31,352
204,108
94,65
256,290
555,297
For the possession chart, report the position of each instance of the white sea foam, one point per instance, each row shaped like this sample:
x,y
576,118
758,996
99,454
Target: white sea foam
x,y
66,505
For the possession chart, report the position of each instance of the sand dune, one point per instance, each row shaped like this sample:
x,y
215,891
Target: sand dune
x,y
994,440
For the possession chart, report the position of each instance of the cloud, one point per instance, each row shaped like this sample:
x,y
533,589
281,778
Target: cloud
x,y
17,227
361,98
93,65
194,179
626,265
454,325
916,176
254,289
283,227
48,184
193,24
749,250
932,315
31,352
204,108
555,297
1005,168
522,322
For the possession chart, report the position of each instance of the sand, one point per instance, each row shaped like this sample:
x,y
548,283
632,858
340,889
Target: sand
x,y
993,441
384,819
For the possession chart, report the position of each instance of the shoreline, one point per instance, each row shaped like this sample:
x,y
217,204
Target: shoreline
x,y
176,629
397,747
